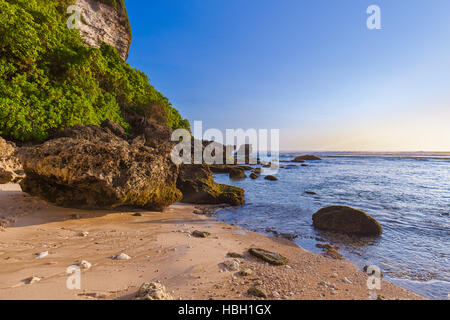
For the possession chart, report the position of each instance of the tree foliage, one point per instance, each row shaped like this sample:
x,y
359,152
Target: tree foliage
x,y
50,81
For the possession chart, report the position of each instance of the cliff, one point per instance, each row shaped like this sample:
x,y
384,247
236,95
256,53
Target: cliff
x,y
102,22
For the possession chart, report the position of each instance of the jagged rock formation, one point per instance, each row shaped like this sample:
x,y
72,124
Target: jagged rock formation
x,y
101,22
106,167
10,168
92,167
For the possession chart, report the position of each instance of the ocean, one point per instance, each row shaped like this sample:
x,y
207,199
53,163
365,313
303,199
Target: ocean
x,y
408,193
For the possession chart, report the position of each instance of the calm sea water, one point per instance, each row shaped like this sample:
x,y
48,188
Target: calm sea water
x,y
408,196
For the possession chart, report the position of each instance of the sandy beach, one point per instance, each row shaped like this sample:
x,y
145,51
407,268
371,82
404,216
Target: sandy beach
x,y
162,249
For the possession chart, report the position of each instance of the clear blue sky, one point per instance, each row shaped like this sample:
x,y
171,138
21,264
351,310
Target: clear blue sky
x,y
309,68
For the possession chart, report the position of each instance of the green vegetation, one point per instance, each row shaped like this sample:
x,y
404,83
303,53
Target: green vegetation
x,y
50,81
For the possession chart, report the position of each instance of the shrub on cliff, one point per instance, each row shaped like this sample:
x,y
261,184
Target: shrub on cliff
x,y
50,81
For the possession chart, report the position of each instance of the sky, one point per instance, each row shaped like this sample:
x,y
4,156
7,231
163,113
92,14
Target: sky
x,y
309,68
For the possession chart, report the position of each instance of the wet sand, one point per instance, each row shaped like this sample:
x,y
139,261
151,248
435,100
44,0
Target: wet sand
x,y
161,249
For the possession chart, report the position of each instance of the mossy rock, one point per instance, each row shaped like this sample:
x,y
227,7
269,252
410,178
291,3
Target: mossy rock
x,y
346,220
270,257
237,174
254,175
198,186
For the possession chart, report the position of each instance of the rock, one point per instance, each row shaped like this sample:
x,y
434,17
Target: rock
x,y
231,265
198,186
304,165
271,178
366,270
257,291
138,214
254,175
42,255
234,255
83,234
310,192
11,170
104,22
237,174
346,220
258,170
85,265
32,280
153,291
347,281
121,257
275,294
270,257
200,234
246,272
91,167
330,251
115,128
445,214
308,157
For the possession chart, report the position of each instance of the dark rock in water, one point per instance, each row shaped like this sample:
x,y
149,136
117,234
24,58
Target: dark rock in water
x,y
246,168
346,220
254,175
270,257
237,174
91,167
227,168
288,236
308,157
304,165
11,170
310,192
198,186
445,214
372,271
330,251
258,170
201,234
271,178
257,291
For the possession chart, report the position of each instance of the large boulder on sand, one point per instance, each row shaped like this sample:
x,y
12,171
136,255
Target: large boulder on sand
x,y
94,167
198,186
346,220
11,170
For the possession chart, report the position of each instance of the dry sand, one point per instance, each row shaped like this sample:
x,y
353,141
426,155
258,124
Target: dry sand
x,y
161,249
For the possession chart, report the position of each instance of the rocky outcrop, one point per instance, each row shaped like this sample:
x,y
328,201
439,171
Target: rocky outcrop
x,y
10,168
308,157
93,167
346,220
237,174
101,22
197,185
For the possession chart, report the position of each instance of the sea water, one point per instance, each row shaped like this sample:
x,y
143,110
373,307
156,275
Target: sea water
x,y
408,194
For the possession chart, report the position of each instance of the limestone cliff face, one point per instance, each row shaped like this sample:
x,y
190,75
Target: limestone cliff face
x,y
104,23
